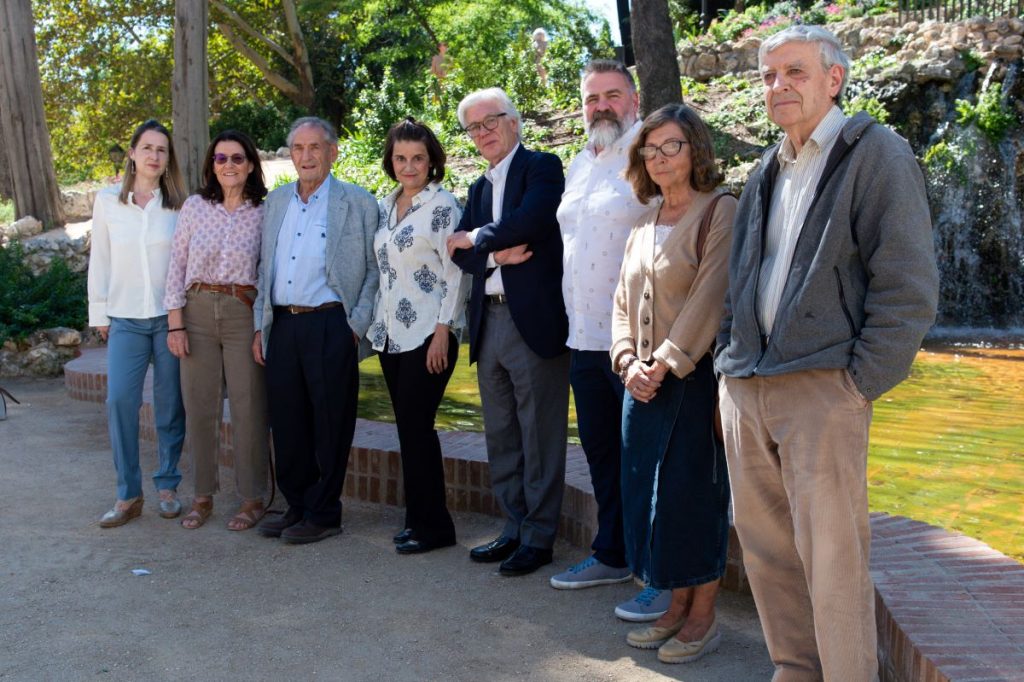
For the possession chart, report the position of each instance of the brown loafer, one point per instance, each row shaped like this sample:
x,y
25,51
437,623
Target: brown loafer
x,y
123,512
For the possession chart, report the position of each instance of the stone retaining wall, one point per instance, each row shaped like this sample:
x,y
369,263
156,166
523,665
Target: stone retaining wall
x,y
924,51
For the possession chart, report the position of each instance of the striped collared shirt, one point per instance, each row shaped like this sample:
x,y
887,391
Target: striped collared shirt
x,y
798,177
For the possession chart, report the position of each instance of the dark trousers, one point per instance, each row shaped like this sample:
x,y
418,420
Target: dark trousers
x,y
312,389
598,391
415,397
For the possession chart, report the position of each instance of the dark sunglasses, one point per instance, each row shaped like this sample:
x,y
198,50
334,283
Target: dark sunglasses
x,y
237,159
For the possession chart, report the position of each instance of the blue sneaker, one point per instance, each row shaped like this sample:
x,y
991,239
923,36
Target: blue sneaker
x,y
589,573
649,605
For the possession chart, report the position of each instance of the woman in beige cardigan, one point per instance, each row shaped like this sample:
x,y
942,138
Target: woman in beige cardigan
x,y
668,306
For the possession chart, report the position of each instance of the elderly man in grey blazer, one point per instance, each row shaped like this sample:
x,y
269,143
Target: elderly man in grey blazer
x,y
317,282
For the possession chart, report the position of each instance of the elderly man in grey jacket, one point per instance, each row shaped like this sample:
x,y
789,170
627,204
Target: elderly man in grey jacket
x,y
317,282
833,285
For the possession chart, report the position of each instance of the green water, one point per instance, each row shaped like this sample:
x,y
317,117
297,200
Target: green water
x,y
947,445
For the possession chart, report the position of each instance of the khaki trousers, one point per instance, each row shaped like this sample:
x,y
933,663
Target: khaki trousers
x,y
797,451
220,349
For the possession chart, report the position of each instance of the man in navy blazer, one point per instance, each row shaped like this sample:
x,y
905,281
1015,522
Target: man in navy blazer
x,y
509,241
318,279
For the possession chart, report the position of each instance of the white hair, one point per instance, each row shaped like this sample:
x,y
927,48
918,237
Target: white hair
x,y
330,137
831,49
488,95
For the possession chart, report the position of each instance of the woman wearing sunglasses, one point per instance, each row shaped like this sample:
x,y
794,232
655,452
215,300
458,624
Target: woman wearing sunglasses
x,y
211,286
668,306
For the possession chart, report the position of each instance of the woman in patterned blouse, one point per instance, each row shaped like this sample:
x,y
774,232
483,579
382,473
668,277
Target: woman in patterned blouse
x,y
211,285
419,308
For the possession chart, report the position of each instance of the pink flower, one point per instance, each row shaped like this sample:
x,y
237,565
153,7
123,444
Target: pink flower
x,y
833,9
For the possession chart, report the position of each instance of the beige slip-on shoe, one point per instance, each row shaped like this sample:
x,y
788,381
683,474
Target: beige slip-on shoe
x,y
674,651
653,636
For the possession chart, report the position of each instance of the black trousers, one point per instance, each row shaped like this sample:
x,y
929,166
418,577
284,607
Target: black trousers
x,y
598,394
312,389
415,397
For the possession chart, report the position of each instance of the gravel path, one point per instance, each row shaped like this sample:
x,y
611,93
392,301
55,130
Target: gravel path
x,y
221,605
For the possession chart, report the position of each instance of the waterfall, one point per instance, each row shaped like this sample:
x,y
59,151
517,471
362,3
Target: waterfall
x,y
976,192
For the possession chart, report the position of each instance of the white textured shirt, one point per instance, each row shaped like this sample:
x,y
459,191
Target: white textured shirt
x,y
497,176
300,260
795,184
420,286
597,213
131,248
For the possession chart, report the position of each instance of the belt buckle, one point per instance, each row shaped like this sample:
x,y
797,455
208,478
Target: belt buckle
x,y
293,309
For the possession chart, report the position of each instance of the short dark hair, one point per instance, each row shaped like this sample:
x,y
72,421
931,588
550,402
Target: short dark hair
x,y
607,66
411,130
255,188
704,172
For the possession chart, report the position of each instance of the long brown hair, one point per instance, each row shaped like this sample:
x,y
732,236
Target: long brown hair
x,y
172,186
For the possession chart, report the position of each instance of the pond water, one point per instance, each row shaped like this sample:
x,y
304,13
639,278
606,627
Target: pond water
x,y
947,445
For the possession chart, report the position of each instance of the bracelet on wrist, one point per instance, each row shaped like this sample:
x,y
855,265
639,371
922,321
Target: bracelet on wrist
x,y
624,364
176,329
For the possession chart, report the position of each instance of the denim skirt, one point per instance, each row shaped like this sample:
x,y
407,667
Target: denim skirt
x,y
675,486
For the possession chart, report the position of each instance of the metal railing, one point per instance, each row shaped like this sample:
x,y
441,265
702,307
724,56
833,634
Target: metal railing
x,y
958,10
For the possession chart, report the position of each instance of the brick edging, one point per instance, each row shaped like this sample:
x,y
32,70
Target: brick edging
x,y
948,607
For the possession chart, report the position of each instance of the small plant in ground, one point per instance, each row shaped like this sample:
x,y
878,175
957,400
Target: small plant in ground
x,y
946,160
6,212
693,90
972,60
56,298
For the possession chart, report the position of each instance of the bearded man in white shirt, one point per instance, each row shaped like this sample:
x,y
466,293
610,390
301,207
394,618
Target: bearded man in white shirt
x,y
597,212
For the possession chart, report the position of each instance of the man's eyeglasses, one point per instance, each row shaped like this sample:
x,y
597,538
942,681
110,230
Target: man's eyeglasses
x,y
221,159
489,123
670,148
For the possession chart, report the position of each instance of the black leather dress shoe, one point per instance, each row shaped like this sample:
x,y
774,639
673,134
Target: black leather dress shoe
x,y
525,560
273,526
495,550
402,536
305,532
414,546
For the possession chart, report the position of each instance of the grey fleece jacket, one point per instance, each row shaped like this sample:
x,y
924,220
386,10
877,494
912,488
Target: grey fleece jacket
x,y
863,287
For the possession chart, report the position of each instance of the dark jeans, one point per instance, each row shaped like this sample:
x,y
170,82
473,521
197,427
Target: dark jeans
x,y
598,394
415,397
671,461
312,388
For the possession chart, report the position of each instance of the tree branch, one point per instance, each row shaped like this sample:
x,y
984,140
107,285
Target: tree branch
x,y
289,89
247,29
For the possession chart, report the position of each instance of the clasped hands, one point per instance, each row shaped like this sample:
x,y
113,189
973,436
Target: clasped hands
x,y
513,255
643,381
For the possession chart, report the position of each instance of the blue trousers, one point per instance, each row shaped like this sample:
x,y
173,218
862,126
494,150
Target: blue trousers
x,y
131,345
598,391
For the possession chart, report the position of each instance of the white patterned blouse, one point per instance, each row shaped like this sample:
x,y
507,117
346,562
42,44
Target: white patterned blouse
x,y
420,286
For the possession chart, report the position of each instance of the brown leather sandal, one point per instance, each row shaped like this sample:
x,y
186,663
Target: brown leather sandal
x,y
197,515
249,514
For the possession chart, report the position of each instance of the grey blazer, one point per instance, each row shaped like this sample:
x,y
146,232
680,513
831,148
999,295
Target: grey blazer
x,y
352,217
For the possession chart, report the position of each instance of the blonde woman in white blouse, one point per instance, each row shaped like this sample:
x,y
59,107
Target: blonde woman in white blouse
x,y
131,245
419,308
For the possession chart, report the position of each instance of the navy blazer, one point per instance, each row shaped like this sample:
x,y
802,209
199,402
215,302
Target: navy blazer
x,y
533,190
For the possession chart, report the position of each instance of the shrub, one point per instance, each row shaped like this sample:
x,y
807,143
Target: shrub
x,y
991,115
57,298
265,123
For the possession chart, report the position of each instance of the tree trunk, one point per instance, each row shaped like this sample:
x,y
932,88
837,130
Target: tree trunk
x,y
26,139
625,32
657,64
190,96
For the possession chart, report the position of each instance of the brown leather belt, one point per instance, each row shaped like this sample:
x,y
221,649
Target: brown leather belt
x,y
299,309
236,290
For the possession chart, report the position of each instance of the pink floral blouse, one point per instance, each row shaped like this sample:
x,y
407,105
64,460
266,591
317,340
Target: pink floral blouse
x,y
212,246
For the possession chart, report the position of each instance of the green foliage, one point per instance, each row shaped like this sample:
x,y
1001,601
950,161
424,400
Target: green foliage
x,y
992,116
971,59
57,298
875,61
267,124
869,104
378,108
947,160
6,212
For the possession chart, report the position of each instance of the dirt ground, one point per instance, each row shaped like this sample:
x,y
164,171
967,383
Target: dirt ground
x,y
223,606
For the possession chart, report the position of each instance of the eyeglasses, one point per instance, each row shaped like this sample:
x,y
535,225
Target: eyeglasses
x,y
237,159
670,148
489,123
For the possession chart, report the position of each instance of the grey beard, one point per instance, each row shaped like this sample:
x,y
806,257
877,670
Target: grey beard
x,y
604,132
